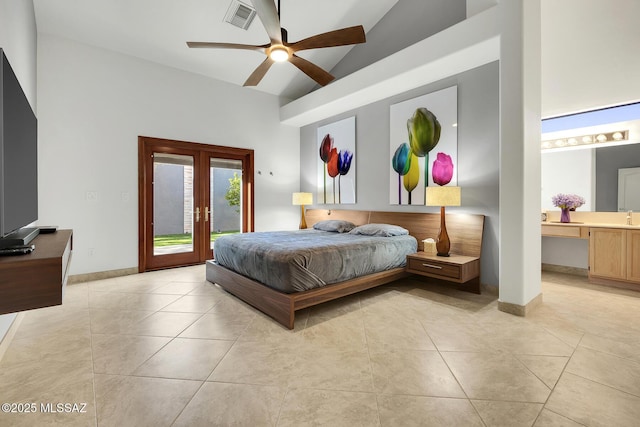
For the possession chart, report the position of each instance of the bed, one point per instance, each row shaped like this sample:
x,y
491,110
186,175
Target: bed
x,y
256,268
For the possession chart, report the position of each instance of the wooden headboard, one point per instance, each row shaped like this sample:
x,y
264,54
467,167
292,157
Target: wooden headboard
x,y
465,230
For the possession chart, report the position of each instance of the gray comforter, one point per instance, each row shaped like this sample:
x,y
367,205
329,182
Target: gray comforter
x,y
292,261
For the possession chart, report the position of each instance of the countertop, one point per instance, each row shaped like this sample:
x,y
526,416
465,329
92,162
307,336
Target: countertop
x,y
591,225
594,219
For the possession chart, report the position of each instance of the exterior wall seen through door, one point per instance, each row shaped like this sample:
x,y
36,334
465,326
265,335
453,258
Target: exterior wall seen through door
x,y
174,218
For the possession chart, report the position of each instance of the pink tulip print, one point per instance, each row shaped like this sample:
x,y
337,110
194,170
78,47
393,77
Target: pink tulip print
x,y
442,170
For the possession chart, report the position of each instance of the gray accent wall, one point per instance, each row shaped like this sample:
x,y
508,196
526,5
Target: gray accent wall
x,y
408,22
478,152
225,217
608,161
168,198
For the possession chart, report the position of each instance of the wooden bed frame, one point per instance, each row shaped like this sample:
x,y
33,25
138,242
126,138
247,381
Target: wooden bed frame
x,y
465,233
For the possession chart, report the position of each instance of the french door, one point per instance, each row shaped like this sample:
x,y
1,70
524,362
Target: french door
x,y
190,194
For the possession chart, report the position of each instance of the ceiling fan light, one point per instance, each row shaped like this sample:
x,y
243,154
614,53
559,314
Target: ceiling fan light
x,y
279,54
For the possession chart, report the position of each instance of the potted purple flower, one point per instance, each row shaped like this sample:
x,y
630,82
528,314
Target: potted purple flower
x,y
566,203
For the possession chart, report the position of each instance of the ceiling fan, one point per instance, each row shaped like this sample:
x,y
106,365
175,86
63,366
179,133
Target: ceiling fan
x,y
280,50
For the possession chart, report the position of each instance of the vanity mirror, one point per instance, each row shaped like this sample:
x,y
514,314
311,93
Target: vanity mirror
x,y
588,153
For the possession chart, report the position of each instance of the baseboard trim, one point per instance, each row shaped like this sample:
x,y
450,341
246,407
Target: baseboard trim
x,y
520,310
101,275
11,332
576,271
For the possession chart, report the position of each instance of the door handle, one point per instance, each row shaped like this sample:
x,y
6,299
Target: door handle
x,y
197,214
206,213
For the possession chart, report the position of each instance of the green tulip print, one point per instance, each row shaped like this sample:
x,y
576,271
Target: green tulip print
x,y
424,133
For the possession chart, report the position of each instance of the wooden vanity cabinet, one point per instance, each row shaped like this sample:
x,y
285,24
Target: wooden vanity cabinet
x,y
633,255
614,254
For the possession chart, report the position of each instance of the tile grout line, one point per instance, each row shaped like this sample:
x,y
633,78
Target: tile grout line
x,y
93,370
558,414
170,341
366,340
617,356
605,385
187,404
515,355
544,406
468,399
284,398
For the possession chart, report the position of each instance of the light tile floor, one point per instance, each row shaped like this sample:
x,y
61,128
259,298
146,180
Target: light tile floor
x,y
169,348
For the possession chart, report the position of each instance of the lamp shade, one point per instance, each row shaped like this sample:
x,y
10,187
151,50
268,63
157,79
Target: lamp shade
x,y
443,196
302,199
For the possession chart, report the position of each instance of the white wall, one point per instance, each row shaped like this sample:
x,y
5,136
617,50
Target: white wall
x,y
419,20
93,105
18,39
589,55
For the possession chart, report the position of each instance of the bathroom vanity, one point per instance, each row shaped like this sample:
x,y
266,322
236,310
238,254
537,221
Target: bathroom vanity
x,y
614,245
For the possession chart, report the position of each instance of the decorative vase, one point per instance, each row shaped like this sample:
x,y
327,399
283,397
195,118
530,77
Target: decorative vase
x,y
564,215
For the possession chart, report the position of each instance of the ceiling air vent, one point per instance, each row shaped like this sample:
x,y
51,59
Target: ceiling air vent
x,y
240,14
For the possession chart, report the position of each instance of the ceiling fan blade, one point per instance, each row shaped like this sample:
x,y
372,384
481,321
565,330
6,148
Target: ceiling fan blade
x,y
343,37
214,45
268,14
312,70
259,72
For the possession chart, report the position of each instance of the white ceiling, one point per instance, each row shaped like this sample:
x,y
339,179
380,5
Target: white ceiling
x,y
156,30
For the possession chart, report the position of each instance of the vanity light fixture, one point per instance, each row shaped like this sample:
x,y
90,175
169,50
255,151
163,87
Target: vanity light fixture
x,y
594,139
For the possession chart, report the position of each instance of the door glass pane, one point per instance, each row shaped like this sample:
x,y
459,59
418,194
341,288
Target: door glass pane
x,y
172,203
225,215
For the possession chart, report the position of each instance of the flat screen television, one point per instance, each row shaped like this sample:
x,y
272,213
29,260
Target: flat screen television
x,y
18,158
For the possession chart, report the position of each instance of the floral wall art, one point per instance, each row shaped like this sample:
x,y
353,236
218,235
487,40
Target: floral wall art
x,y
423,145
337,162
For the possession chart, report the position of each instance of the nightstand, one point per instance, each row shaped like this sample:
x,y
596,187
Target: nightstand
x,y
461,269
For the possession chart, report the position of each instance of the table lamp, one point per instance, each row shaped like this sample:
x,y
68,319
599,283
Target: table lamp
x,y
302,199
443,196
